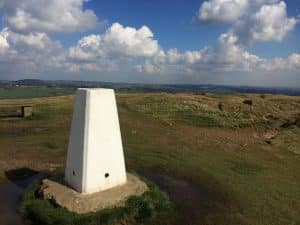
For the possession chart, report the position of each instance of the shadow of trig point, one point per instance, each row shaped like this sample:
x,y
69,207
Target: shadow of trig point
x,y
95,160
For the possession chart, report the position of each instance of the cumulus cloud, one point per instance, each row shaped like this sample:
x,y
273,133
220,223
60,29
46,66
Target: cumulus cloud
x,y
3,41
222,10
294,60
129,49
32,41
26,45
226,55
148,68
117,44
47,16
26,54
256,20
130,41
271,22
268,23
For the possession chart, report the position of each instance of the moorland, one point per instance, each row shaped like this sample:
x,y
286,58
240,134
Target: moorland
x,y
240,151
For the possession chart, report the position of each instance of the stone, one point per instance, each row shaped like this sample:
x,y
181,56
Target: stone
x,y
95,160
270,134
26,111
66,197
221,106
248,102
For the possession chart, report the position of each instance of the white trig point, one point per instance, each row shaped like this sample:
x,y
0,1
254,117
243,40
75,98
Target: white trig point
x,y
95,160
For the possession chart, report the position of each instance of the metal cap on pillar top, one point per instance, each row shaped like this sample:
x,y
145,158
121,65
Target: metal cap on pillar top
x,y
95,160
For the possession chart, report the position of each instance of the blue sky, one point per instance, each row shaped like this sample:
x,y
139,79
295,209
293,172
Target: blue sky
x,y
172,23
215,41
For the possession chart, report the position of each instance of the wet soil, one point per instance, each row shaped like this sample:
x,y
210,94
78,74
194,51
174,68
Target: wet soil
x,y
189,199
11,193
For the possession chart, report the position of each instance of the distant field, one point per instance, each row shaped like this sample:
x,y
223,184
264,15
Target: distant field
x,y
244,157
33,92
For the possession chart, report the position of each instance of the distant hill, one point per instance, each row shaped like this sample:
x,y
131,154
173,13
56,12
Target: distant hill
x,y
171,88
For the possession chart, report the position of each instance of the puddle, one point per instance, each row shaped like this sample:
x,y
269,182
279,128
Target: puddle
x,y
10,199
189,198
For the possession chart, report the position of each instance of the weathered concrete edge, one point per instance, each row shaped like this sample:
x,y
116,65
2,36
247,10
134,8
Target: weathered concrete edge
x,y
73,201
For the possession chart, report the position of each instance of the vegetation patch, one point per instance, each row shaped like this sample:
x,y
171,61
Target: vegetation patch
x,y
193,111
152,208
197,119
33,92
245,168
10,111
194,152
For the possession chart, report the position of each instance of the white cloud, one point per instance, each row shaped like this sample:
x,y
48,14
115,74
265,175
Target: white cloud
x,y
271,23
26,53
226,55
268,23
256,20
118,44
26,46
3,41
87,49
117,41
31,41
148,68
294,60
282,64
58,16
129,41
222,10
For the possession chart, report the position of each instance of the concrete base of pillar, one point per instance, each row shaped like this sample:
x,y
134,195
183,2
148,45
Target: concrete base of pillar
x,y
68,198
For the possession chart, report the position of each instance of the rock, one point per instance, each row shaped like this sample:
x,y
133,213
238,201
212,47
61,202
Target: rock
x,y
294,121
221,106
39,130
248,102
271,134
263,96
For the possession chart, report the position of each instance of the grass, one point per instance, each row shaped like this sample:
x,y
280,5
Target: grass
x,y
244,179
33,92
245,168
151,208
192,111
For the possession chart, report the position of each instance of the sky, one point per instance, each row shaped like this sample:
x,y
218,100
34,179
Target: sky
x,y
231,42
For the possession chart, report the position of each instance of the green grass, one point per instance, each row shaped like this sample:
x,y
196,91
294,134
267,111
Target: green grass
x,y
192,112
151,208
244,180
33,92
245,168
10,111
